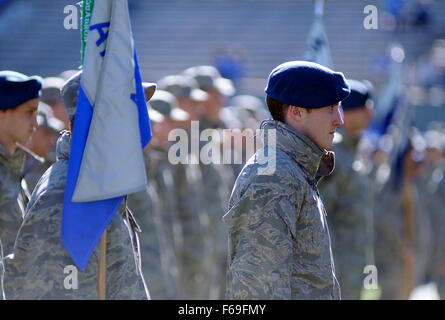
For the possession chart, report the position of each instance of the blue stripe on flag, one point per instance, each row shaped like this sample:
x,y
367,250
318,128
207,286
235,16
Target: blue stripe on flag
x,y
144,121
83,223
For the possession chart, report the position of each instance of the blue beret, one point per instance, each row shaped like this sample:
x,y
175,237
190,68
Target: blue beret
x,y
306,84
360,93
17,88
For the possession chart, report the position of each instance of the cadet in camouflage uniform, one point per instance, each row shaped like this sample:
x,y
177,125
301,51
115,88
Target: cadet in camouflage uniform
x,y
243,123
215,194
438,223
186,91
402,237
145,207
157,254
279,245
51,96
347,195
190,191
160,175
192,250
217,88
43,143
195,226
432,189
217,178
18,107
41,267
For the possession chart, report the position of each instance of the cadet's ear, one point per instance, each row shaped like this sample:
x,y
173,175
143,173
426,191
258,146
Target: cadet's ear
x,y
294,116
294,113
2,114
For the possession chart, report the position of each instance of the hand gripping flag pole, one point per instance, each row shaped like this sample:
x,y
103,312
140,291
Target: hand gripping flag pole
x,y
110,131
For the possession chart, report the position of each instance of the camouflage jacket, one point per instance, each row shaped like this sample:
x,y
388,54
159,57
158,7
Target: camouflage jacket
x,y
193,220
160,174
41,267
217,180
2,272
157,247
390,235
279,245
431,194
347,195
12,197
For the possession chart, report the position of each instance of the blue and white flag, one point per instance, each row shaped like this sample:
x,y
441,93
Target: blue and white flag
x,y
111,129
393,113
317,47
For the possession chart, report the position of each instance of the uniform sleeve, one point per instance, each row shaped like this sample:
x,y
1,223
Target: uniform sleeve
x,y
349,219
2,271
261,237
11,211
345,197
37,270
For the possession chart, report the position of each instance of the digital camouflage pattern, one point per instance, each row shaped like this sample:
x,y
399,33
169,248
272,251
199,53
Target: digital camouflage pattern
x,y
432,189
34,174
279,245
389,240
438,222
33,168
157,252
160,175
2,272
217,180
195,250
42,269
13,198
347,195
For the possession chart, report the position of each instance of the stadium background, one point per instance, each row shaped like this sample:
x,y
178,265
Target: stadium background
x,y
172,35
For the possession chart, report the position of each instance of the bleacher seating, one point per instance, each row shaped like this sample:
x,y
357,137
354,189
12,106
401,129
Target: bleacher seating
x,y
171,35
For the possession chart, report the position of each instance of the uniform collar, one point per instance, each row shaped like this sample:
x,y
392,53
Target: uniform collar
x,y
13,162
315,161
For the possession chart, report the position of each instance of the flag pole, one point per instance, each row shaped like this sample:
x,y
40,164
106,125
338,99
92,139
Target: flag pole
x,y
317,47
102,270
87,10
319,8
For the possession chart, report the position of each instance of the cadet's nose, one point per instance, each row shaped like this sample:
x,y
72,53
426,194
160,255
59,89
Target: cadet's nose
x,y
338,121
34,122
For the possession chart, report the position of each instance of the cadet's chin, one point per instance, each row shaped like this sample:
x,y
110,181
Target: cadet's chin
x,y
329,145
24,140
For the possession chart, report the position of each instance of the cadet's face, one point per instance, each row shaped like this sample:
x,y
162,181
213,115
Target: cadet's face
x,y
320,124
413,168
21,121
164,129
191,107
213,104
42,141
358,119
60,113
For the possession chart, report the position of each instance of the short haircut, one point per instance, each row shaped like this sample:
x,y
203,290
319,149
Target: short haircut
x,y
277,109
